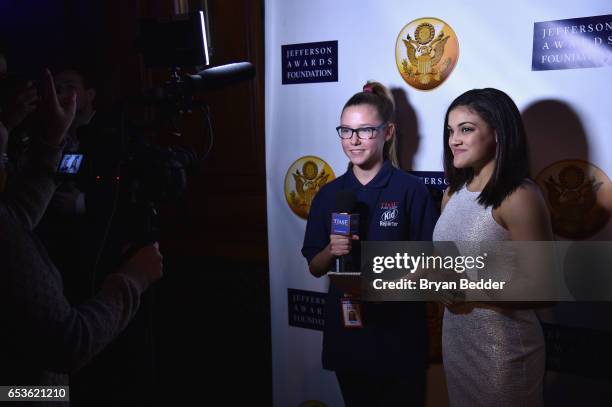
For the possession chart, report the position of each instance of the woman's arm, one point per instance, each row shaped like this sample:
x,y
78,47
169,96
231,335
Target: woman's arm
x,y
338,246
525,214
321,263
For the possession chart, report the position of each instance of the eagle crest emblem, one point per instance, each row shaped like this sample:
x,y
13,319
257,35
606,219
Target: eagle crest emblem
x,y
305,178
426,54
579,197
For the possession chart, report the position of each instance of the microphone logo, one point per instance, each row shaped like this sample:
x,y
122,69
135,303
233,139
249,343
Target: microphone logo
x,y
345,224
341,222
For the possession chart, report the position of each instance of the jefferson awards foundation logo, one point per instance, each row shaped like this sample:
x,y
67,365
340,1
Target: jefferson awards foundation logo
x,y
304,179
578,195
584,42
426,52
310,62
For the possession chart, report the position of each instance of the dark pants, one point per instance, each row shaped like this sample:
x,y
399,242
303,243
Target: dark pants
x,y
363,390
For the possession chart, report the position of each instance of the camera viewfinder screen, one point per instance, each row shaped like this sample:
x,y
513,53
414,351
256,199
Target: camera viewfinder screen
x,y
70,163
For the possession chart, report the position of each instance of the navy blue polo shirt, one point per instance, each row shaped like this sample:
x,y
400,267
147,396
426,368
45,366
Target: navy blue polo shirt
x,y
394,205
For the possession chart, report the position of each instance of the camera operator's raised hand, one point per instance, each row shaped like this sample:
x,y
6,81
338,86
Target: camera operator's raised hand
x,y
33,186
58,118
18,105
145,266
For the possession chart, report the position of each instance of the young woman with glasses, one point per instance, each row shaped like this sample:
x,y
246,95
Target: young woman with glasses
x,y
377,350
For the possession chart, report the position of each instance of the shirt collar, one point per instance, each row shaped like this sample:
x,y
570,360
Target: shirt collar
x,y
381,179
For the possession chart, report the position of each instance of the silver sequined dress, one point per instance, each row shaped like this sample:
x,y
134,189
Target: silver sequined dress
x,y
490,358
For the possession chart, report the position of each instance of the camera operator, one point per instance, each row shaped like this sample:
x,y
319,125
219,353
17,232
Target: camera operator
x,y
73,223
44,337
85,232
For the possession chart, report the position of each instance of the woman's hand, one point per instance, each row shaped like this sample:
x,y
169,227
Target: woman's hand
x,y
340,245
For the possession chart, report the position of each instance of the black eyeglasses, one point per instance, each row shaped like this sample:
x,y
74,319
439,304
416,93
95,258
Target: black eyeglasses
x,y
363,133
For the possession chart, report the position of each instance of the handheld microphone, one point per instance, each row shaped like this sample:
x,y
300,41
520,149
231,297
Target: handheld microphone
x,y
345,223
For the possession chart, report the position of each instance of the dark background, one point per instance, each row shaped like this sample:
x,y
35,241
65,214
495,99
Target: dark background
x,y
211,324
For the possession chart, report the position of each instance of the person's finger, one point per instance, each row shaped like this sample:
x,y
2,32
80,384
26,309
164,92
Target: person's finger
x,y
48,87
71,107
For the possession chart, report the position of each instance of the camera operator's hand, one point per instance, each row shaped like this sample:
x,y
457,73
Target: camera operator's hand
x,y
58,119
145,266
20,105
65,202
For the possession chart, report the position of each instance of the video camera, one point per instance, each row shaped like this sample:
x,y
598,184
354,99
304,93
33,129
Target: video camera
x,y
174,43
152,174
178,42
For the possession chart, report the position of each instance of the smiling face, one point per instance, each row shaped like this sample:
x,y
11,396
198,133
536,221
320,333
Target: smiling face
x,y
364,153
470,138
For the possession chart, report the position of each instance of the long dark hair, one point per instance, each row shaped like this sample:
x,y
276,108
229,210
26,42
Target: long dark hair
x,y
511,159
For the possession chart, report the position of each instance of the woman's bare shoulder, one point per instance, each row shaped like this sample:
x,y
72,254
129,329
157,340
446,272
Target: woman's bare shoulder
x,y
525,213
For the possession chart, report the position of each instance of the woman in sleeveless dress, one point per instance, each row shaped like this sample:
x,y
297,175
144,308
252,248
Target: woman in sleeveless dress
x,y
493,353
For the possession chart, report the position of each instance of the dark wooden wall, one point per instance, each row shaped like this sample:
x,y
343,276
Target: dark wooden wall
x,y
224,211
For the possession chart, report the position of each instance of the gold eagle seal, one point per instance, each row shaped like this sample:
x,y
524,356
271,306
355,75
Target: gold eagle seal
x,y
303,180
579,197
426,52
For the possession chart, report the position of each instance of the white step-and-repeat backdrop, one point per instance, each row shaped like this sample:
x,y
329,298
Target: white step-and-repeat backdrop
x,y
553,57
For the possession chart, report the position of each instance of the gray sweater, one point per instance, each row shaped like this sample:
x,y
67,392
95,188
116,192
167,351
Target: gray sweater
x,y
43,337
